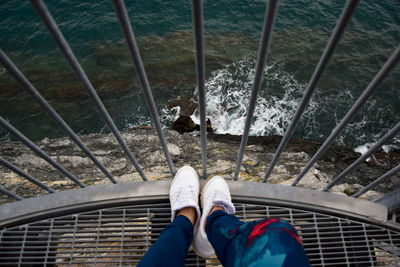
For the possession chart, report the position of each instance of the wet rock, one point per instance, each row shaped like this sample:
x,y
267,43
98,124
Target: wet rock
x,y
187,106
185,124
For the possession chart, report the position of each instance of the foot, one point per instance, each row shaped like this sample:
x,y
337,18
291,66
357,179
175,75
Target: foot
x,y
189,213
184,193
215,194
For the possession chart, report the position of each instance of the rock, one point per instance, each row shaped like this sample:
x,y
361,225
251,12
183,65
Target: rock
x,y
32,159
255,148
185,124
187,106
220,167
59,143
74,161
155,157
174,150
308,181
185,149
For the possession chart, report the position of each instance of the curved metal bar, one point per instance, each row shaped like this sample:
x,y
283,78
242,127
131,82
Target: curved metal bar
x,y
36,149
97,197
20,172
361,159
269,22
137,60
55,32
344,19
10,194
198,34
377,181
53,114
385,70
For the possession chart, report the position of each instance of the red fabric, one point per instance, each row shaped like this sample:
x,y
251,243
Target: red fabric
x,y
259,229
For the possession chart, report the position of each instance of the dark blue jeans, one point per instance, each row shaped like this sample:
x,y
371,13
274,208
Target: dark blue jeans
x,y
172,245
268,242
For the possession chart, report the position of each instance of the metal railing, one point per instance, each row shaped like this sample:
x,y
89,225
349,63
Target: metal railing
x,y
392,200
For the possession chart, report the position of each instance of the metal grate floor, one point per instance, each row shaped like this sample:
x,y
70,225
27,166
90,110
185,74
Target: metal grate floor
x,y
121,235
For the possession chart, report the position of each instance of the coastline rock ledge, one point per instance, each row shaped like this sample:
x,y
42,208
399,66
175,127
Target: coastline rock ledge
x,y
185,149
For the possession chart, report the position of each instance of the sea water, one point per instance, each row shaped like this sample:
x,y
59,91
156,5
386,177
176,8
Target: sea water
x,y
232,31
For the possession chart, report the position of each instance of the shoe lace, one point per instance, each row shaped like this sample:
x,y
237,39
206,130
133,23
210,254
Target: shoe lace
x,y
217,195
185,192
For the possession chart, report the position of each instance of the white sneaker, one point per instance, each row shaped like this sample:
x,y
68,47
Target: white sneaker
x,y
184,192
215,193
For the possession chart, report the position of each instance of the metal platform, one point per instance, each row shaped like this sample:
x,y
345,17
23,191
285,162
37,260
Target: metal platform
x,y
116,224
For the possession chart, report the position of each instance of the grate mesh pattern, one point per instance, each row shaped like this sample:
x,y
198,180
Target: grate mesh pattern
x,y
120,236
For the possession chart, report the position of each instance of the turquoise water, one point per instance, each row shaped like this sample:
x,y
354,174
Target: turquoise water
x,y
232,30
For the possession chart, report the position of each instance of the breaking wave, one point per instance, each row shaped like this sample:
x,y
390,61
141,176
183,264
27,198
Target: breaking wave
x,y
228,94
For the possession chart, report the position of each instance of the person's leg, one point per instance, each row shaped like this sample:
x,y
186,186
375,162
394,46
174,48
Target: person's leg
x,y
172,245
218,223
215,193
268,242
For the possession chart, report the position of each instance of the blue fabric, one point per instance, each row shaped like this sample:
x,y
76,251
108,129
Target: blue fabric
x,y
267,242
172,245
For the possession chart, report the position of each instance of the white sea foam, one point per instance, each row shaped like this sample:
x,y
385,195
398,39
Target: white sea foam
x,y
227,98
169,115
228,95
364,148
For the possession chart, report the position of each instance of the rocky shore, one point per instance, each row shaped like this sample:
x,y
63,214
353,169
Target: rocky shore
x,y
185,149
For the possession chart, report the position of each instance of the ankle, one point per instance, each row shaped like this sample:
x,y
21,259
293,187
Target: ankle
x,y
216,208
190,213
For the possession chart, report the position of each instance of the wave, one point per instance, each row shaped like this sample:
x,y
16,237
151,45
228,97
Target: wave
x,y
228,94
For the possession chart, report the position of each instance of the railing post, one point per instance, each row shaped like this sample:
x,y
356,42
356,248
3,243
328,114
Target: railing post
x,y
14,71
10,194
344,19
378,181
58,37
137,60
198,33
361,159
40,152
385,70
20,172
268,26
